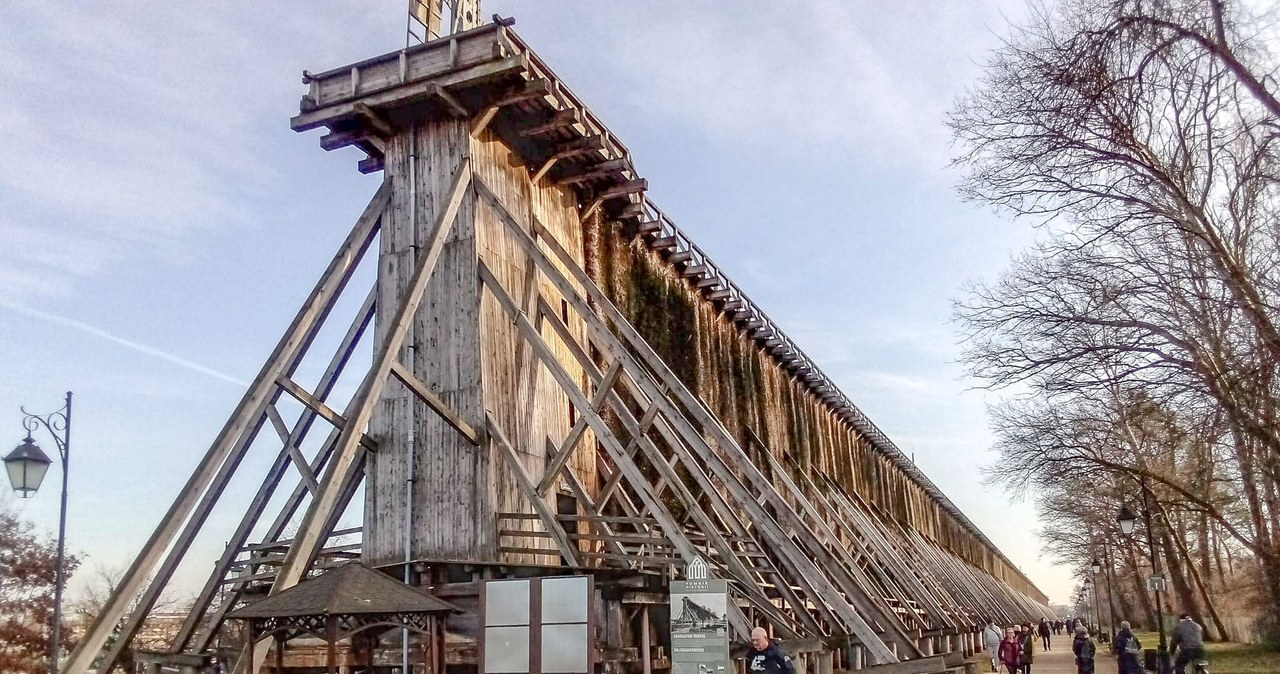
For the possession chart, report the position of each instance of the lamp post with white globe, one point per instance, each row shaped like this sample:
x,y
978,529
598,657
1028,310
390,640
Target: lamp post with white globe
x,y
1127,519
26,466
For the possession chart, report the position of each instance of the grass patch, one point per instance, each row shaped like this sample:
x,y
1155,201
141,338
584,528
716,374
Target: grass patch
x,y
1242,659
1228,658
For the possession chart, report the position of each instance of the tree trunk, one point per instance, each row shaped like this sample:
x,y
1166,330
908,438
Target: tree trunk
x,y
1198,580
1139,585
1112,614
1177,575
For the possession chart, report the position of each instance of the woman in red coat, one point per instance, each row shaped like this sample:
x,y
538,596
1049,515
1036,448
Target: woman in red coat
x,y
1010,652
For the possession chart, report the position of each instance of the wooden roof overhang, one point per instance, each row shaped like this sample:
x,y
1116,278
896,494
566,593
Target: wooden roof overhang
x,y
490,75
341,602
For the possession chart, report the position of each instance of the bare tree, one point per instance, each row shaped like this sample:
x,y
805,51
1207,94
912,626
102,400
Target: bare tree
x,y
1141,137
155,634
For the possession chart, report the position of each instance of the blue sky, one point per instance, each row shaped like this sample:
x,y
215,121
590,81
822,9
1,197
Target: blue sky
x,y
161,223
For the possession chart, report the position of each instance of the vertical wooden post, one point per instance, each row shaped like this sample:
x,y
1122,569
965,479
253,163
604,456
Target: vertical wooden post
x,y
644,640
331,645
279,653
251,639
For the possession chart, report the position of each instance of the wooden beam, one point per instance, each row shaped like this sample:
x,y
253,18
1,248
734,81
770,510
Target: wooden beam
x,y
625,188
594,171
371,164
548,516
482,121
451,103
402,93
680,257
316,405
583,145
694,270
663,243
374,120
649,227
295,455
420,389
546,166
565,451
339,139
531,89
560,120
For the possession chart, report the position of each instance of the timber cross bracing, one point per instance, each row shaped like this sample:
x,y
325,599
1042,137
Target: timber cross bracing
x,y
515,405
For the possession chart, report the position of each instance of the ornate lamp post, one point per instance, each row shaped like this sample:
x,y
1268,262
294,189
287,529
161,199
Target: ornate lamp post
x,y
26,466
1096,567
1127,519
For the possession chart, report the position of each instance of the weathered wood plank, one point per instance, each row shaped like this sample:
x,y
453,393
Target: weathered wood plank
x,y
548,516
420,389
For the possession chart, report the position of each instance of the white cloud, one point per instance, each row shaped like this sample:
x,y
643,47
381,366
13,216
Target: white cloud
x,y
814,80
127,343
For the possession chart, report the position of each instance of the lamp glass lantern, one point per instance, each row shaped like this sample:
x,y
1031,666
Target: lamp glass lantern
x,y
26,466
1095,566
1127,519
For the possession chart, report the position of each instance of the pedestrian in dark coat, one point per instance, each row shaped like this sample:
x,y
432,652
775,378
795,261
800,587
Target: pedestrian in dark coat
x,y
1045,631
766,657
1084,649
1010,652
1028,648
1127,647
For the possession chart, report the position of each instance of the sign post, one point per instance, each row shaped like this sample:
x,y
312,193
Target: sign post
x,y
699,622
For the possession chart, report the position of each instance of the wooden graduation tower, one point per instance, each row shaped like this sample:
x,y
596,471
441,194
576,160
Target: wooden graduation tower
x,y
559,382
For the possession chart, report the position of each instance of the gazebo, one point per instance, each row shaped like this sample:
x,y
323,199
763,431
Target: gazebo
x,y
347,602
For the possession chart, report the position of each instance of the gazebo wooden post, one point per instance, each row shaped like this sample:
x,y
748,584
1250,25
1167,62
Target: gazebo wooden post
x,y
280,636
331,641
436,644
252,634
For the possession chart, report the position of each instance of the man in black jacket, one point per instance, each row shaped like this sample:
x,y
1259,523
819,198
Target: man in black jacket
x,y
765,657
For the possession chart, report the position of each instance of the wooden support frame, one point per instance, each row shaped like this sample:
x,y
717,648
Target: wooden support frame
x,y
424,393
145,579
800,565
783,539
603,432
545,513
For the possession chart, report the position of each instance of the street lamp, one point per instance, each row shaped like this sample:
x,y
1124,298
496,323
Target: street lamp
x,y
1096,567
26,466
1127,519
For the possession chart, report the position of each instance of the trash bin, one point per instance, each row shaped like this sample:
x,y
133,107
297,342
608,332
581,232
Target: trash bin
x,y
1150,661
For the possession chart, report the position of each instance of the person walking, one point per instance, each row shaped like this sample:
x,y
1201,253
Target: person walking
x,y
767,657
991,639
1028,648
1187,642
1044,633
1127,647
1010,652
1084,649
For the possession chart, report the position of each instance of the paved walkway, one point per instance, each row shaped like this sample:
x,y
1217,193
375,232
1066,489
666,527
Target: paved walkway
x,y
1059,660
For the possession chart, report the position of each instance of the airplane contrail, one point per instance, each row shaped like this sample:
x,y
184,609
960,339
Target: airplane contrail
x,y
136,346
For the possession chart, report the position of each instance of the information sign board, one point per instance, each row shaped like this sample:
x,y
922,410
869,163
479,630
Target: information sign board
x,y
699,622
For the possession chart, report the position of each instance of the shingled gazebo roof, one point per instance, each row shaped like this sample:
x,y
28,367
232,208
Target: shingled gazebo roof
x,y
351,589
